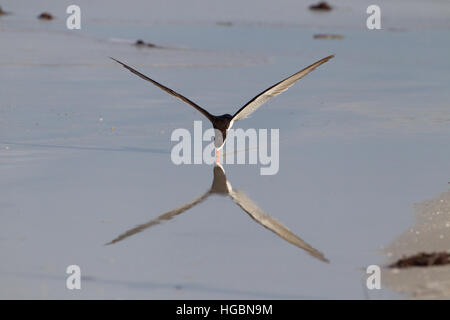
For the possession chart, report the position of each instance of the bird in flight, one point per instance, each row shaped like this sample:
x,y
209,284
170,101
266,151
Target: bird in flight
x,y
221,186
223,123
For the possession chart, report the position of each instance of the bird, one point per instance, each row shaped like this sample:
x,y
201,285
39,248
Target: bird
x,y
221,186
223,123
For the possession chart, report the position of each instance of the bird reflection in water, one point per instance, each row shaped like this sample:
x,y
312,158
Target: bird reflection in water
x,y
221,186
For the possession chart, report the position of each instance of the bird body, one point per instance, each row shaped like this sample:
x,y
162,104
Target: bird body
x,y
223,123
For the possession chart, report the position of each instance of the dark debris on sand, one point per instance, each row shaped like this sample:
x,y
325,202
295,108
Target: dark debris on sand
x,y
328,36
45,16
142,43
423,259
321,6
3,13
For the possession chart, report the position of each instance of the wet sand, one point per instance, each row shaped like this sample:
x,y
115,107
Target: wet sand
x,y
85,147
430,233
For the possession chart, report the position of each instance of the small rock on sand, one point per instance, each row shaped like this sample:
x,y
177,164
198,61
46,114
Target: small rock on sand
x,y
321,6
142,43
3,13
423,259
45,16
328,36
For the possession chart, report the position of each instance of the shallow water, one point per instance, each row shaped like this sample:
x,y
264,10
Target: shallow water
x,y
85,148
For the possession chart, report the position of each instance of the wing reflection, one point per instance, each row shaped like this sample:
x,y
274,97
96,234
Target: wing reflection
x,y
221,186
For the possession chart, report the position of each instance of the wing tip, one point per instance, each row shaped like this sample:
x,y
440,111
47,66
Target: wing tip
x,y
114,59
319,255
321,61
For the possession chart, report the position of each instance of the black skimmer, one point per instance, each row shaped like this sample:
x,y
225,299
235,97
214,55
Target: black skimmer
x,y
222,186
223,123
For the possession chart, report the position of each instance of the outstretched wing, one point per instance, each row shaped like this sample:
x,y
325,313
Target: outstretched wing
x,y
168,90
164,217
273,225
275,90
